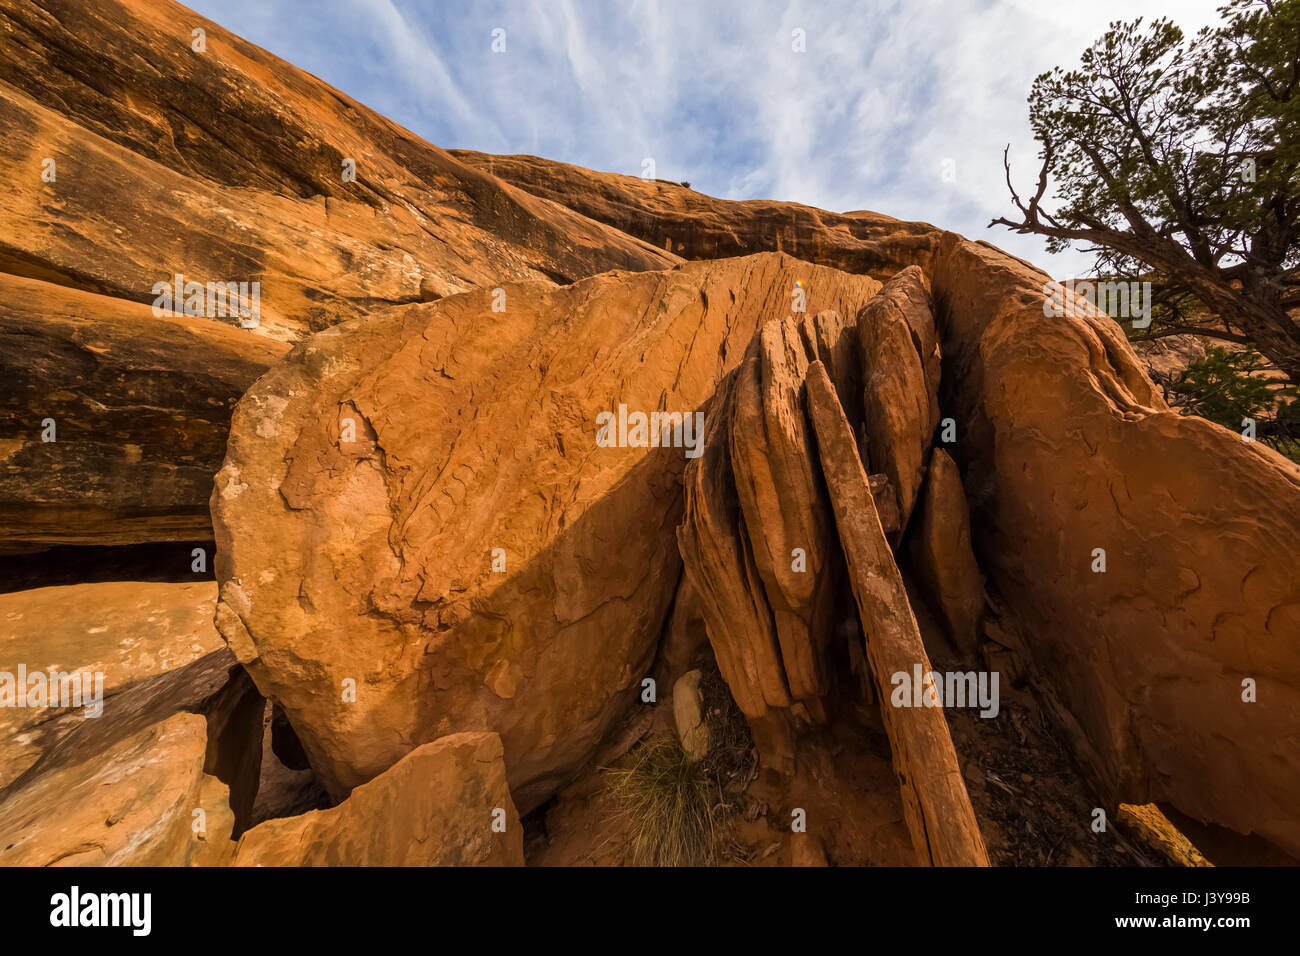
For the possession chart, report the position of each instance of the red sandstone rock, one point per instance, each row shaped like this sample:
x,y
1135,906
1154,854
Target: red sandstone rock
x,y
444,804
127,632
680,220
473,431
139,407
900,383
116,94
942,556
372,560
144,802
935,803
1066,448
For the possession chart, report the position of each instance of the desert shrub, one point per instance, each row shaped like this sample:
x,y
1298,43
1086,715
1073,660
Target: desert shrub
x,y
1229,386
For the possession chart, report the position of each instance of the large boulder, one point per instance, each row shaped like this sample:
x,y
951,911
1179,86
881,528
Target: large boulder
x,y
1068,452
445,803
473,558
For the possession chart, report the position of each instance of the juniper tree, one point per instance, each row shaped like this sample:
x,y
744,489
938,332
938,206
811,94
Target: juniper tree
x,y
1176,161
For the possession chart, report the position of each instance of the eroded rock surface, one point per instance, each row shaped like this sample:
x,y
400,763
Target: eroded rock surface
x,y
942,555
475,447
158,653
758,537
1066,448
145,801
445,803
117,95
127,632
115,419
419,533
900,384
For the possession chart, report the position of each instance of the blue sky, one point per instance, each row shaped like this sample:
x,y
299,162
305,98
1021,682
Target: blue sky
x,y
886,97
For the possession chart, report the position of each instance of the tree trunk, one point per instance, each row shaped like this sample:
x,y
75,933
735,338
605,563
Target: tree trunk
x,y
1278,339
1259,313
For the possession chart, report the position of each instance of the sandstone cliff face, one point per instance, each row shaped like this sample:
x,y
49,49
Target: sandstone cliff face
x,y
679,220
116,94
111,184
376,478
115,419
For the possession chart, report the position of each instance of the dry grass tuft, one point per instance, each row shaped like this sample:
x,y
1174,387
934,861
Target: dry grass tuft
x,y
666,800
679,812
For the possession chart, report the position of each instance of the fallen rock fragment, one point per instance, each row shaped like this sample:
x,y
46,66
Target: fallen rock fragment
x,y
900,383
718,561
940,548
807,849
137,653
784,514
937,807
145,801
1154,830
688,715
445,803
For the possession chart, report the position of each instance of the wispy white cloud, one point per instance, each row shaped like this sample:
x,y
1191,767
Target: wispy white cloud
x,y
716,94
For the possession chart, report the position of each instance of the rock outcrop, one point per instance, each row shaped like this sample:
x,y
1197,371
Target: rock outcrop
x,y
445,803
145,801
98,664
1066,451
523,456
688,715
425,509
680,220
116,419
758,539
334,209
124,632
